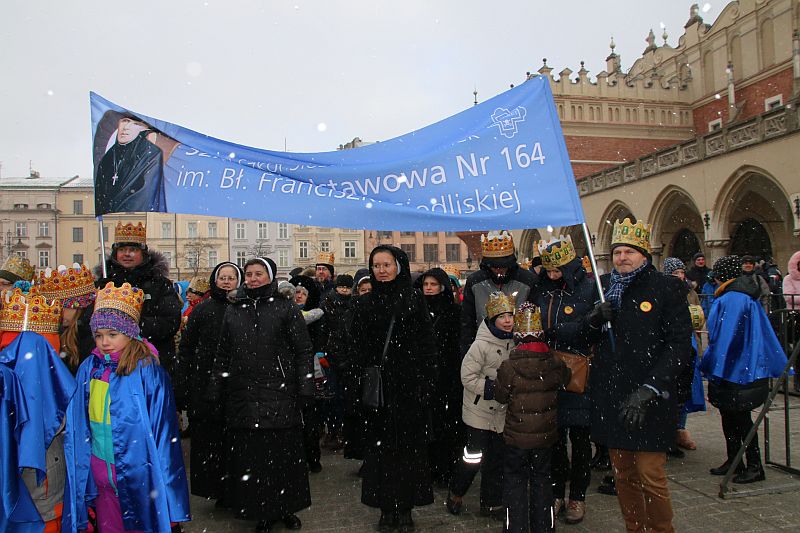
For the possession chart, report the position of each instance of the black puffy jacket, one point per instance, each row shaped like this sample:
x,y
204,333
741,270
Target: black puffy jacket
x,y
263,368
161,311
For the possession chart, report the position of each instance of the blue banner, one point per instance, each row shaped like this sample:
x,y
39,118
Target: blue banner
x,y
500,164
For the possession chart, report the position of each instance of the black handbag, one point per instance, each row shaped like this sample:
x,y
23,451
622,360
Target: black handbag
x,y
372,377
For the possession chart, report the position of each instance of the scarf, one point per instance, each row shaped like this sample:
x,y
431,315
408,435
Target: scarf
x,y
618,284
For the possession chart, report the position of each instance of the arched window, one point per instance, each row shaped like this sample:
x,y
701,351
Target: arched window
x,y
750,238
684,245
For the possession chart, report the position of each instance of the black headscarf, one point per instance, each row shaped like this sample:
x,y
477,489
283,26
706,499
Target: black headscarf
x,y
311,286
216,292
444,299
269,288
387,292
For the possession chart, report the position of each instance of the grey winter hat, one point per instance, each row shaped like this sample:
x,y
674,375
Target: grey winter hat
x,y
671,264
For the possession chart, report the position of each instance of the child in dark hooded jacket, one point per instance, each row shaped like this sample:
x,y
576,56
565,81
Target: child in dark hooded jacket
x,y
528,381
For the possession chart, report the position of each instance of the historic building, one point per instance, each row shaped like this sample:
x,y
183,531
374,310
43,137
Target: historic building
x,y
702,140
29,218
253,238
193,244
347,246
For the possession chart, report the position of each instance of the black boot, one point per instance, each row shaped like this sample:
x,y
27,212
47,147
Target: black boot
x,y
753,473
292,522
608,486
601,461
264,525
388,521
404,522
722,469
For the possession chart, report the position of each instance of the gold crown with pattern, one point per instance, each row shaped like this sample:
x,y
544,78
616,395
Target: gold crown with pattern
x,y
556,252
66,284
527,319
29,312
526,263
500,303
129,233
325,258
698,317
587,264
199,284
127,299
627,233
18,266
497,244
451,270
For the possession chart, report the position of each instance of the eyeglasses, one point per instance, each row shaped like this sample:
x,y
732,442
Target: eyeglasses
x,y
227,278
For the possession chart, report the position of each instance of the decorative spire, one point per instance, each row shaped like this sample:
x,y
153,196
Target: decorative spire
x,y
665,35
475,96
612,45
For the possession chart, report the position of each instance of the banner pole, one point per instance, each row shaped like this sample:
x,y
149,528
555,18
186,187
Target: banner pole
x,y
593,261
102,247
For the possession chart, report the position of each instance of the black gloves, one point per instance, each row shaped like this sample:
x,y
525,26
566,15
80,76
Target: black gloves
x,y
634,408
488,389
602,313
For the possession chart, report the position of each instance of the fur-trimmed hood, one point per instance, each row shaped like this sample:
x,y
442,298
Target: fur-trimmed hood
x,y
792,268
155,265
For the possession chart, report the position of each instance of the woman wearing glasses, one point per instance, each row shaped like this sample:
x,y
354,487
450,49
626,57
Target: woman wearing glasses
x,y
395,474
195,358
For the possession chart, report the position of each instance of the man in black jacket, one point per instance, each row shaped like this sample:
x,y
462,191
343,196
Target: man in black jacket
x,y
634,374
698,273
132,262
499,271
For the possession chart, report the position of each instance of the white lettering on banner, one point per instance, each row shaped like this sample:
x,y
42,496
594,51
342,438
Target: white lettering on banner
x,y
521,157
454,203
471,168
185,176
227,180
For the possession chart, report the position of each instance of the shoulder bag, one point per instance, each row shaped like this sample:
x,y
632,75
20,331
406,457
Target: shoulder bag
x,y
372,378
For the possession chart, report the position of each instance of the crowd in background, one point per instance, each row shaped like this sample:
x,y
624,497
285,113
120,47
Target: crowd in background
x,y
526,374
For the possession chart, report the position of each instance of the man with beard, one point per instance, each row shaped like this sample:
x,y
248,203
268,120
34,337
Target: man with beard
x,y
499,271
132,262
130,176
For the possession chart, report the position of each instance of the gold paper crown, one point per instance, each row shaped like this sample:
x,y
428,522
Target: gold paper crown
x,y
452,270
528,319
325,258
698,317
127,299
18,266
130,233
66,283
587,264
627,233
199,284
526,263
497,244
29,312
556,252
499,303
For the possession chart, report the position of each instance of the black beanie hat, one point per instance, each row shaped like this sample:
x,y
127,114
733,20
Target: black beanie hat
x,y
344,280
728,267
698,255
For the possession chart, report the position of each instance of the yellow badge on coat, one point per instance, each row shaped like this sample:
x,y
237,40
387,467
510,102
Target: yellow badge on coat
x,y
646,307
568,310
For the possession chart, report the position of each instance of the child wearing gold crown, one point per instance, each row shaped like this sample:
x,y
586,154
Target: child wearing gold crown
x,y
122,447
528,382
482,414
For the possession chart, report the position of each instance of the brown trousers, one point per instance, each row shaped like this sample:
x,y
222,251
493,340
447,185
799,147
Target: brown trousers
x,y
642,490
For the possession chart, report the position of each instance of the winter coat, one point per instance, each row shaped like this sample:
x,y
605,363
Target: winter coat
x,y
564,304
791,283
652,334
476,293
528,382
263,361
481,361
698,276
338,315
316,324
161,311
742,347
196,352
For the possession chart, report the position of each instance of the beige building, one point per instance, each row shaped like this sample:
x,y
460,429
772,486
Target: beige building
x,y
78,230
193,244
426,249
29,218
346,244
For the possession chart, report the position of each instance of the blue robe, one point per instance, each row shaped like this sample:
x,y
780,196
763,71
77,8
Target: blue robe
x,y
48,386
18,513
698,400
151,478
742,346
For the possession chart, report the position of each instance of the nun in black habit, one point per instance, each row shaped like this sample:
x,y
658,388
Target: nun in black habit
x,y
396,475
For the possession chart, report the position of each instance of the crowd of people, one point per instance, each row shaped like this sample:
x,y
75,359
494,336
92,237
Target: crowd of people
x,y
518,375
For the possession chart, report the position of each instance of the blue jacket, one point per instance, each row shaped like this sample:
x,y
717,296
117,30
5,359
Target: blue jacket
x,y
742,346
151,478
18,513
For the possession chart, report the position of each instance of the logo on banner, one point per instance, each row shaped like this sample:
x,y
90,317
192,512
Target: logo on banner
x,y
507,120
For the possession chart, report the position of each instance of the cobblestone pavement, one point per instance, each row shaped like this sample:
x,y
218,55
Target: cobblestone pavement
x,y
336,491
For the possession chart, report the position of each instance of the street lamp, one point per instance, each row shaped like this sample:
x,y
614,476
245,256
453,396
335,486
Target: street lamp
x,y
469,260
